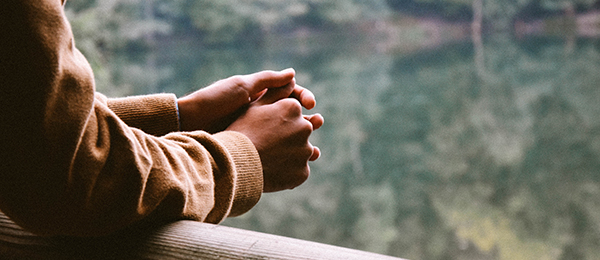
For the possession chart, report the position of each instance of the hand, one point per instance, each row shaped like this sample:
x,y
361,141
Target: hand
x,y
275,125
213,108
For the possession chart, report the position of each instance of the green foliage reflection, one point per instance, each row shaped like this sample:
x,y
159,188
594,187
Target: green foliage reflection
x,y
456,151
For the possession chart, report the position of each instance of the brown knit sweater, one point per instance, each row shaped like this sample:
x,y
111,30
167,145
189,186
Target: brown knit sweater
x,y
73,162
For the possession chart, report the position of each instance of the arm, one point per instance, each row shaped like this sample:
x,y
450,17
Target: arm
x,y
210,109
71,166
154,114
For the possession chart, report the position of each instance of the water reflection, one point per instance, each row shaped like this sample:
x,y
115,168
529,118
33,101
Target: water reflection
x,y
430,154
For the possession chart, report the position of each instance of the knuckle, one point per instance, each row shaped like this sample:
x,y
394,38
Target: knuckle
x,y
267,74
292,105
240,86
305,129
301,177
308,126
308,151
292,102
238,80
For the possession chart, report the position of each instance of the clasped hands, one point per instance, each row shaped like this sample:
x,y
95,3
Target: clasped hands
x,y
267,108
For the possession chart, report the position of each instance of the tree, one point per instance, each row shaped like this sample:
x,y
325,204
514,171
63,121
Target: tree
x,y
105,29
224,21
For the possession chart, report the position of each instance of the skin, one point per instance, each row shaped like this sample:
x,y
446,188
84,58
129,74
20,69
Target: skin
x,y
215,107
266,107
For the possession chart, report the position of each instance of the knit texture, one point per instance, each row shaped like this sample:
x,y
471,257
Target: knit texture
x,y
155,114
76,163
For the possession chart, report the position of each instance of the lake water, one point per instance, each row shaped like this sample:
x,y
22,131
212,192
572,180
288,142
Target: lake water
x,y
457,151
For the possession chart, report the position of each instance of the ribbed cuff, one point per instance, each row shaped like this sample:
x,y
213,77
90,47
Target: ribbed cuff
x,y
154,114
249,179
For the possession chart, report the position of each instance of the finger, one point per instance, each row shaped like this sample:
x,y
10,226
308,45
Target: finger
x,y
316,120
262,92
259,81
274,94
316,154
257,95
305,96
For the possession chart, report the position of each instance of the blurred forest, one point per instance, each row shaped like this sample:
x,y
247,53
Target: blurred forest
x,y
106,29
455,129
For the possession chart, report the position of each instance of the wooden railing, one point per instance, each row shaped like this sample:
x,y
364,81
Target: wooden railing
x,y
178,240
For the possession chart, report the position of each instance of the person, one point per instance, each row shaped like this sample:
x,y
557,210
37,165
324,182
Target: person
x,y
74,162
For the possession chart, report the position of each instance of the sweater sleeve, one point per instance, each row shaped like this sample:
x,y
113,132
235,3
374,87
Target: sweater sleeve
x,y
71,166
154,114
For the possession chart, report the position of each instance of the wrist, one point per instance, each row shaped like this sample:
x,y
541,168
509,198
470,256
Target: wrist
x,y
186,109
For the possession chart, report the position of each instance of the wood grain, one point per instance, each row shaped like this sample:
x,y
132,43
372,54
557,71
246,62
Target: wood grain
x,y
178,240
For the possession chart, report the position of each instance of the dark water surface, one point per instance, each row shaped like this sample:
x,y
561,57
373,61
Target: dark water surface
x,y
453,152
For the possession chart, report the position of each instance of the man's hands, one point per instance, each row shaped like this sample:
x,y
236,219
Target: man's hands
x,y
279,131
213,108
266,107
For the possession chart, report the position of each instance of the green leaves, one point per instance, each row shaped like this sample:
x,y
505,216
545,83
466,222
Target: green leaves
x,y
225,20
105,29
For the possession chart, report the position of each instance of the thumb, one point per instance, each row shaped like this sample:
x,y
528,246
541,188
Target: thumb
x,y
274,94
260,81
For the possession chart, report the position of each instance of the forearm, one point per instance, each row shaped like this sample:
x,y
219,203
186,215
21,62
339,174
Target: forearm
x,y
154,114
71,166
